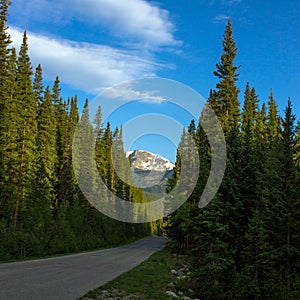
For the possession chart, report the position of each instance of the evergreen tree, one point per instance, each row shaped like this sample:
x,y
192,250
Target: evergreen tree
x,y
70,195
6,206
273,120
38,86
56,93
290,204
105,166
23,164
85,144
250,111
98,124
181,222
250,169
120,166
258,276
4,103
46,143
228,201
226,103
4,40
261,124
4,55
61,115
297,155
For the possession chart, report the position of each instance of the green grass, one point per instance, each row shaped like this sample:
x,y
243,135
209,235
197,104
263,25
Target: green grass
x,y
149,280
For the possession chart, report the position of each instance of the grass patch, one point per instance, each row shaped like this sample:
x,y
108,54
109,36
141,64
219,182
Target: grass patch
x,y
149,280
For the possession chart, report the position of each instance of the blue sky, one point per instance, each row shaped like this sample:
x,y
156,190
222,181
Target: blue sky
x,y
95,44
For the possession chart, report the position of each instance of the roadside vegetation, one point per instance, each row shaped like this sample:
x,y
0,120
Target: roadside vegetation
x,y
161,277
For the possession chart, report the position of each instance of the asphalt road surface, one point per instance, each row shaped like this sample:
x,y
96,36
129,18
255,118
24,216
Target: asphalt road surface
x,y
69,277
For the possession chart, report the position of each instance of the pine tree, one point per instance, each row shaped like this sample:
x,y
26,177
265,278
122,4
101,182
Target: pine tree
x,y
4,52
181,221
177,218
290,204
85,144
297,155
261,124
38,86
6,205
47,149
258,276
23,164
4,104
39,221
119,162
273,119
225,98
98,124
250,169
67,178
105,166
273,182
56,93
61,114
257,271
250,111
215,230
227,103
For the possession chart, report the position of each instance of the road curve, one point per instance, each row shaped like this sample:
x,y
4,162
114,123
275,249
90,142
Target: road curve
x,y
69,277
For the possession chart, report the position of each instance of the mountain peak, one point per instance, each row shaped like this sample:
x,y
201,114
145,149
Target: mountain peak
x,y
150,171
147,161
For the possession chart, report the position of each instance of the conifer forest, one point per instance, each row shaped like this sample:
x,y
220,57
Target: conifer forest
x,y
244,245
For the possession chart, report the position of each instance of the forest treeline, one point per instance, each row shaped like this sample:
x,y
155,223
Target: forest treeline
x,y
42,210
246,243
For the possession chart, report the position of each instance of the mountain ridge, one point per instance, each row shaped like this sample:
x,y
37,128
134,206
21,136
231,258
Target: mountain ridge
x,y
150,171
142,159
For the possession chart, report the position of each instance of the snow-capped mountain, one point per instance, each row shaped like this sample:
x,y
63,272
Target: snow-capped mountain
x,y
148,161
150,171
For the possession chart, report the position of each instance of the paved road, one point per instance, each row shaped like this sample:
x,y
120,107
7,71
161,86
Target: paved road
x,y
69,277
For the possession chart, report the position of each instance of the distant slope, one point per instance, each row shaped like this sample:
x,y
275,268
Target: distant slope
x,y
150,171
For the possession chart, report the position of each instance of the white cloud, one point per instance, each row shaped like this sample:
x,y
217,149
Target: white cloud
x,y
125,92
141,26
136,21
84,66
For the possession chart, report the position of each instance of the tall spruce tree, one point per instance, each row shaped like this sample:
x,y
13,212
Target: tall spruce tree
x,y
85,144
23,164
215,230
38,86
182,222
226,103
297,155
290,204
46,143
273,120
61,115
250,163
71,194
4,104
